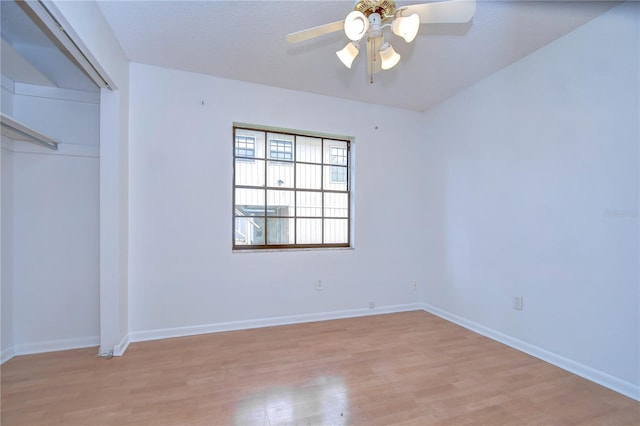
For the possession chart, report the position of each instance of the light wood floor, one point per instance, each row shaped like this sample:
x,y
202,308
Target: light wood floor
x,y
409,368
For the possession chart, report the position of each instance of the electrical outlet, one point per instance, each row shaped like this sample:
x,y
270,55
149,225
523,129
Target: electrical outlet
x,y
372,305
517,303
319,285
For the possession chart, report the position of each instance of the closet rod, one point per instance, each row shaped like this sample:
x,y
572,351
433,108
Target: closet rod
x,y
15,130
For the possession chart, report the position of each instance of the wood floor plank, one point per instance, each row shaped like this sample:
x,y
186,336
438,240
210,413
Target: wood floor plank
x,y
408,368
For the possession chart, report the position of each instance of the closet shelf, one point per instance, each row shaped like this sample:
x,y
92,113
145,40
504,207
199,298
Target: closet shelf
x,y
15,130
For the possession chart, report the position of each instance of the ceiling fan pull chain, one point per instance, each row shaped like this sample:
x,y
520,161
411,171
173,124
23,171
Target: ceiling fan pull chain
x,y
372,59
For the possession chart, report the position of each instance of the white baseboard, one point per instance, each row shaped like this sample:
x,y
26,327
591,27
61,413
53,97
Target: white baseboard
x,y
596,376
165,333
120,348
56,345
6,355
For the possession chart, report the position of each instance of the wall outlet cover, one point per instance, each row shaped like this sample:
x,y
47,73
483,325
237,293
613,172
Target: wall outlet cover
x,y
517,303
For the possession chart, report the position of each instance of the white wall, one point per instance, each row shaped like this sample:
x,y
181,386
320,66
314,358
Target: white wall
x,y
6,233
50,223
526,169
6,230
6,100
182,270
55,250
68,116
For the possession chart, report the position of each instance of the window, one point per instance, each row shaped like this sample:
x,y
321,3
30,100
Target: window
x,y
294,194
282,150
245,146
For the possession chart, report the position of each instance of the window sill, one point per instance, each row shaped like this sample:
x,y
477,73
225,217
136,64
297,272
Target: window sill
x,y
292,249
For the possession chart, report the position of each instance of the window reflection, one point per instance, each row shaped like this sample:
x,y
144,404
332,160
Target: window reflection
x,y
324,400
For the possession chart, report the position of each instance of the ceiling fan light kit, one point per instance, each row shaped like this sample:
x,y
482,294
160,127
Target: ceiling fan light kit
x,y
369,18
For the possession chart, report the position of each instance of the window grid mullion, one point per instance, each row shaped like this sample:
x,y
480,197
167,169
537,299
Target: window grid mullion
x,y
295,192
278,188
266,201
322,188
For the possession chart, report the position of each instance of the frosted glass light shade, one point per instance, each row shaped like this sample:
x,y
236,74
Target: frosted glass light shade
x,y
348,54
407,28
388,57
356,25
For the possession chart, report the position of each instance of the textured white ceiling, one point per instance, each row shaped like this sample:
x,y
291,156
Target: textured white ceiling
x,y
245,40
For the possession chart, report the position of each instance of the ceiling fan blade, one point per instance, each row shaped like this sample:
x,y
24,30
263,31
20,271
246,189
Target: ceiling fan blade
x,y
445,12
315,32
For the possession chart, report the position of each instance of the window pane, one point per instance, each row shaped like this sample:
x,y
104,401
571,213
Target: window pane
x,y
336,205
280,203
249,231
338,174
280,231
279,174
329,183
308,176
336,231
250,172
256,135
309,203
335,152
309,231
308,150
249,202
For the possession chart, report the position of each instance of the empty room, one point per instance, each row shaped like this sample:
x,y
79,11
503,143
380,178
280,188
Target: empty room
x,y
320,212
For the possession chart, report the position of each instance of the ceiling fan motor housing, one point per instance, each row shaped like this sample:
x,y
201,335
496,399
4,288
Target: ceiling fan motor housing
x,y
386,8
375,21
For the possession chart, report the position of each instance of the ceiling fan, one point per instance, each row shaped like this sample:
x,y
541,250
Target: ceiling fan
x,y
369,18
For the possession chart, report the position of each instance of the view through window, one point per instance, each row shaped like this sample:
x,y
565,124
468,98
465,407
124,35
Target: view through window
x,y
290,190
